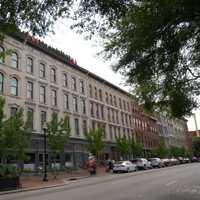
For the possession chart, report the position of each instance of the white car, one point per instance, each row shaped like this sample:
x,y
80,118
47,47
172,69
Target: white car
x,y
124,166
156,162
143,163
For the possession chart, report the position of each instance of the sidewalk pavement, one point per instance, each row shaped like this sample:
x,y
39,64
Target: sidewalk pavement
x,y
36,182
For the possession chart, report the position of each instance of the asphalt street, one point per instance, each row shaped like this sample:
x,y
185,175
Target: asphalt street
x,y
173,183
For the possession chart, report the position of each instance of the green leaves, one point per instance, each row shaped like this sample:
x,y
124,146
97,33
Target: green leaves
x,y
95,141
156,44
196,146
160,151
129,147
15,134
137,149
35,16
58,133
123,146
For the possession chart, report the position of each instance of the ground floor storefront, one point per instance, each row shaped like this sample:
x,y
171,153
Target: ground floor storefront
x,y
75,155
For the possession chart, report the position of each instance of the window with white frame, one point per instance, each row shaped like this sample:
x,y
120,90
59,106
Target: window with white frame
x,y
53,97
53,75
14,86
82,87
66,101
42,94
14,60
75,104
65,80
30,90
42,70
29,67
83,106
73,83
84,126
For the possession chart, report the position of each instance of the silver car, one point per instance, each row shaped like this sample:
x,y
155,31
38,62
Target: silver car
x,y
124,166
156,162
143,163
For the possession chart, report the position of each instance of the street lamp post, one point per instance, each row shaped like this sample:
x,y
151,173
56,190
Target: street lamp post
x,y
45,150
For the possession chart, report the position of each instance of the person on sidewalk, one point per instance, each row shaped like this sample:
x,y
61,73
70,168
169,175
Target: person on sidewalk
x,y
92,165
109,165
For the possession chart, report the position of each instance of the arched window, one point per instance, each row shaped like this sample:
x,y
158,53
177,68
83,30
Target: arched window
x,y
14,86
53,75
1,54
29,67
1,83
14,60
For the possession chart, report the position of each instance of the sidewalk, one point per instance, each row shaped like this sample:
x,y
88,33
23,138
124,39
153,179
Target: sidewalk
x,y
34,182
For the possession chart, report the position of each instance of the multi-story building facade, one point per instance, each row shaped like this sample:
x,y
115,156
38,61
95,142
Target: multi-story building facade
x,y
43,80
146,128
173,131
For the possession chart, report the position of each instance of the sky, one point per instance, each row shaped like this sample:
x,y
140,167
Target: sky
x,y
85,52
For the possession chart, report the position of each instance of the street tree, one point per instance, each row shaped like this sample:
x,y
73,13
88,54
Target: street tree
x,y
177,151
136,148
16,137
95,142
123,146
58,133
160,151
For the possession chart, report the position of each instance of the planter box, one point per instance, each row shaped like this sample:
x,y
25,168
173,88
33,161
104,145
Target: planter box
x,y
9,183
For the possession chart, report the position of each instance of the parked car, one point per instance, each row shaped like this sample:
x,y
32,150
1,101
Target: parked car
x,y
194,159
186,160
156,162
173,161
166,162
142,163
124,166
181,160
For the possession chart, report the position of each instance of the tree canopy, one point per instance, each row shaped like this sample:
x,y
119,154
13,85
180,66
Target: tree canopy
x,y
39,16
123,146
95,141
15,134
58,133
155,43
32,15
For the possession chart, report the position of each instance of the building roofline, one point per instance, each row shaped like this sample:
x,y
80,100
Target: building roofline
x,y
61,56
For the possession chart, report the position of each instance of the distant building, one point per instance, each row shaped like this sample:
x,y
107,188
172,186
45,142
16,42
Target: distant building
x,y
190,136
173,131
146,128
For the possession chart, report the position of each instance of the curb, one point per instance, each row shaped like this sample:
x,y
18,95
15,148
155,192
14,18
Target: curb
x,y
66,182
